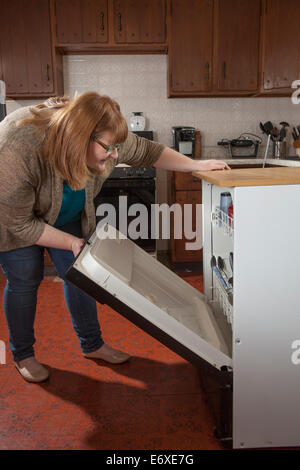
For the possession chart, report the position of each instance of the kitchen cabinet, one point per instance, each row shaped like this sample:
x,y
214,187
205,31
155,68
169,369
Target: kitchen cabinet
x,y
110,25
281,46
237,34
81,21
229,31
259,248
185,189
140,21
190,46
30,66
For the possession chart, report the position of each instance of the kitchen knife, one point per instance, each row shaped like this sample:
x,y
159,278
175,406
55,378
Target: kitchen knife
x,y
2,100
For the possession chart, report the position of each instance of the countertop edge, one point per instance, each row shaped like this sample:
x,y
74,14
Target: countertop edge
x,y
251,176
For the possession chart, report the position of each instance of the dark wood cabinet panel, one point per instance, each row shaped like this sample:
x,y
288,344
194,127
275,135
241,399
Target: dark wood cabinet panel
x,y
184,181
81,21
95,21
68,21
186,191
237,40
14,47
281,44
190,45
140,21
40,69
25,42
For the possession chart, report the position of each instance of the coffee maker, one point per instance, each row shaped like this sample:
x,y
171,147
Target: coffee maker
x,y
183,139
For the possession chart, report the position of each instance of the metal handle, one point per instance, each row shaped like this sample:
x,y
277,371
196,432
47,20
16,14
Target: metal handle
x,y
207,71
47,77
224,70
102,21
120,22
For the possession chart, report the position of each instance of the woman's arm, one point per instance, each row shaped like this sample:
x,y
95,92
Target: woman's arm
x,y
175,161
54,238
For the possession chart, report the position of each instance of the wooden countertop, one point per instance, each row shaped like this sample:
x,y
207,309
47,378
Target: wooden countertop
x,y
251,176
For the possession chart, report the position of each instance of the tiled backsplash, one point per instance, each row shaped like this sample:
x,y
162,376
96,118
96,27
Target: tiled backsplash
x,y
139,83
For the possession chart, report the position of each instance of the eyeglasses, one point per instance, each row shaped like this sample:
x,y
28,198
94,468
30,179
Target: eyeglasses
x,y
108,148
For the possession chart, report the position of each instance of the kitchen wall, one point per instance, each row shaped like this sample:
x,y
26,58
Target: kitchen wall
x,y
139,83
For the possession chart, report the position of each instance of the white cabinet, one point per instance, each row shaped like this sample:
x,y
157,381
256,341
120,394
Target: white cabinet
x,y
263,321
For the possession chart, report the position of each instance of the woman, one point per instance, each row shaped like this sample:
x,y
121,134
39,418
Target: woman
x,y
54,158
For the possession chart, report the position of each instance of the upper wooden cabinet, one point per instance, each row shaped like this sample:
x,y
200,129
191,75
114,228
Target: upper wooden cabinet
x,y
214,47
140,21
281,45
110,24
81,21
190,46
29,63
237,34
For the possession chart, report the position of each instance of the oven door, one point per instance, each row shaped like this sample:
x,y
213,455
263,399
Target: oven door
x,y
134,192
116,272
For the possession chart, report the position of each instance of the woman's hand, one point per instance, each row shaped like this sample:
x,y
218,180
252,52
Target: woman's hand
x,y
206,165
77,245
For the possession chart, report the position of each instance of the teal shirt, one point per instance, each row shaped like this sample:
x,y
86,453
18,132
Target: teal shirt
x,y
72,205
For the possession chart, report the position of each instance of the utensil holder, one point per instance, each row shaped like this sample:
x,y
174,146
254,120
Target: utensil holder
x,y
279,149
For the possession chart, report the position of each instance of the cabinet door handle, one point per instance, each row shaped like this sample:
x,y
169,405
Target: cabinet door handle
x,y
120,22
102,21
207,71
47,77
224,70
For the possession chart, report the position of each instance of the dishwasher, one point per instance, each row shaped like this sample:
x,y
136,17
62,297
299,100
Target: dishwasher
x,y
240,338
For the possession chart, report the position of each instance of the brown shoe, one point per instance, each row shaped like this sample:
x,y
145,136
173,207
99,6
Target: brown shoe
x,y
108,354
31,370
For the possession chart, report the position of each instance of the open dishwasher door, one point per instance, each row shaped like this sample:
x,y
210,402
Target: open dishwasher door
x,y
116,272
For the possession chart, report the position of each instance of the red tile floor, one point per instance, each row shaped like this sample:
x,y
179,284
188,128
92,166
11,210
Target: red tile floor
x,y
155,401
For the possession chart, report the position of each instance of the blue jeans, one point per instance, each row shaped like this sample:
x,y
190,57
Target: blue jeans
x,y
24,269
